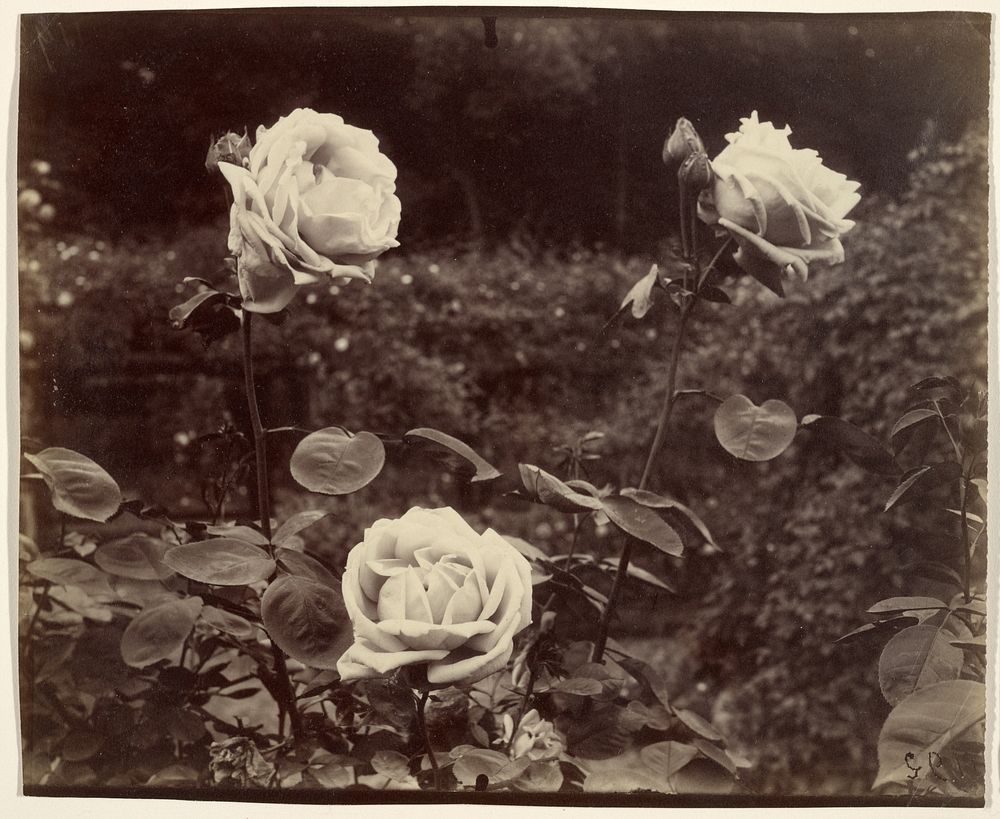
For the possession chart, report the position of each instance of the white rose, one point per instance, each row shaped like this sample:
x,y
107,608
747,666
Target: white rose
x,y
534,738
783,207
426,588
315,196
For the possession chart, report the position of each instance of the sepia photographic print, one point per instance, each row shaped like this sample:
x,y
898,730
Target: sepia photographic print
x,y
510,406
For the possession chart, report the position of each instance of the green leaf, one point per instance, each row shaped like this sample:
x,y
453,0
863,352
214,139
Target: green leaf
x,y
922,480
709,292
640,574
220,562
668,506
332,461
484,471
716,754
245,533
640,297
666,758
580,686
624,781
754,433
156,633
79,486
65,571
181,314
703,776
906,422
852,441
648,678
138,556
391,764
642,523
698,724
896,605
306,619
542,487
925,722
496,766
302,565
296,523
918,657
228,623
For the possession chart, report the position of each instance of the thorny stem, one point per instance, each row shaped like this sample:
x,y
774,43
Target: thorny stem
x,y
284,682
654,450
422,725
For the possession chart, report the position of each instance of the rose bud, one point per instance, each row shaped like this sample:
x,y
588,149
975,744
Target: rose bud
x,y
683,142
695,173
231,148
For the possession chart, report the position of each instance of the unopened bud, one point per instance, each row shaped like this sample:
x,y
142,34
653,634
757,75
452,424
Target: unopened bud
x,y
695,173
683,142
231,147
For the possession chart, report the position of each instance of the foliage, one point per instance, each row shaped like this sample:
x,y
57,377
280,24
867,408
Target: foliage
x,y
480,356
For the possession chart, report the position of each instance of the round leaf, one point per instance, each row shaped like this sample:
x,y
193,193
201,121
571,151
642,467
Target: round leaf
x,y
157,633
918,657
65,571
924,723
220,562
754,433
302,565
138,556
306,619
332,461
79,486
228,623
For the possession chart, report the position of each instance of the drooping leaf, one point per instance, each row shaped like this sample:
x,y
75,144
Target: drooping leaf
x,y
709,292
296,523
754,433
666,758
716,754
542,487
640,297
302,565
642,523
79,486
138,556
181,314
924,723
220,562
844,437
156,633
640,574
902,429
703,776
306,619
424,436
918,657
923,479
648,678
673,509
332,461
882,627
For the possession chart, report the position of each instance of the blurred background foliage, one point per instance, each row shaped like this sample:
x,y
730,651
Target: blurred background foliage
x,y
533,198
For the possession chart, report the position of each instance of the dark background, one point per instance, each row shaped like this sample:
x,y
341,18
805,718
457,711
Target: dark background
x,y
533,197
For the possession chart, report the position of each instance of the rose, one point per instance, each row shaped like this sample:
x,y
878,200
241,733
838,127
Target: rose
x,y
426,588
783,207
314,196
534,738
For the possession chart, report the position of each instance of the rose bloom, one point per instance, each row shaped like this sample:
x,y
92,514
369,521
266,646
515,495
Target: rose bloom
x,y
426,588
535,738
783,207
315,196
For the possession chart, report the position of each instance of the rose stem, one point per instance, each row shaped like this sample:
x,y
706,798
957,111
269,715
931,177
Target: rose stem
x,y
422,725
287,692
654,450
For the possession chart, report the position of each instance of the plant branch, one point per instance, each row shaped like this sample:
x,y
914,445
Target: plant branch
x,y
422,725
287,703
654,450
